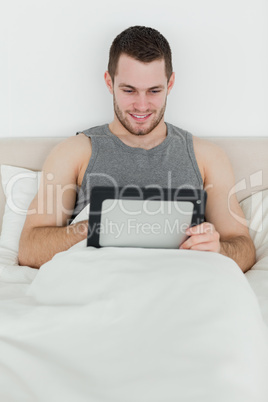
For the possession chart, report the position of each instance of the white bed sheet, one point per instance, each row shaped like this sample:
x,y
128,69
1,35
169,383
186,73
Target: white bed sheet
x,y
131,325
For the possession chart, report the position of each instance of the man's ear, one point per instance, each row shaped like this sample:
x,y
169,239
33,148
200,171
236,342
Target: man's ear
x,y
108,82
171,82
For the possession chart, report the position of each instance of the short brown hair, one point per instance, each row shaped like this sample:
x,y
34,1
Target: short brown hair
x,y
143,44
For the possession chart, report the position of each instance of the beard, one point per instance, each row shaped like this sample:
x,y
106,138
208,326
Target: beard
x,y
138,130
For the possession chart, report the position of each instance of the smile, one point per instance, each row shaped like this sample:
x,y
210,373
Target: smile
x,y
140,117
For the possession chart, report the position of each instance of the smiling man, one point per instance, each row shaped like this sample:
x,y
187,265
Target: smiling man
x,y
139,108
137,148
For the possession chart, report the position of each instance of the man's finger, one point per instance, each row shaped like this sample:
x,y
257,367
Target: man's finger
x,y
193,240
200,229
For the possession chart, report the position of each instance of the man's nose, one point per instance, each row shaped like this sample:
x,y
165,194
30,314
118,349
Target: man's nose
x,y
141,103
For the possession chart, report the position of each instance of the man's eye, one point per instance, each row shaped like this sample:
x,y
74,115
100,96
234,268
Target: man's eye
x,y
155,91
128,91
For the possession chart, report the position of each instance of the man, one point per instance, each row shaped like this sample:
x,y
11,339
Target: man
x,y
137,148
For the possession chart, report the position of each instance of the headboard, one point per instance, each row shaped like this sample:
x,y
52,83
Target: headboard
x,y
249,157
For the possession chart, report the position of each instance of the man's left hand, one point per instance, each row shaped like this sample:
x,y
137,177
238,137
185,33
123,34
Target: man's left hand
x,y
203,237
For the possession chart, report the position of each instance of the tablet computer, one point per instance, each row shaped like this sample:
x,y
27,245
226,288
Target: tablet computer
x,y
148,217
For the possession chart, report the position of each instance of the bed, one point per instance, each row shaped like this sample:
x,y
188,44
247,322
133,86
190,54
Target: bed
x,y
128,324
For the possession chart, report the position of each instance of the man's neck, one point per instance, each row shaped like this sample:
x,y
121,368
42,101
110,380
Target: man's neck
x,y
146,141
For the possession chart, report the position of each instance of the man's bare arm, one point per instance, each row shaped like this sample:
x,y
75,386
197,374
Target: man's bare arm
x,y
40,244
45,231
225,231
204,237
232,248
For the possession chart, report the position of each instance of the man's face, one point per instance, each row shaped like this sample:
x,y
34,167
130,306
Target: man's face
x,y
139,93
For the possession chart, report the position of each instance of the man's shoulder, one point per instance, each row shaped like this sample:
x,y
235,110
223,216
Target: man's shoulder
x,y
70,155
207,148
71,151
73,144
211,158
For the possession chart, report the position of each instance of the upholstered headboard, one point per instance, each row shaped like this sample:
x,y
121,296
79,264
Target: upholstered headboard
x,y
249,157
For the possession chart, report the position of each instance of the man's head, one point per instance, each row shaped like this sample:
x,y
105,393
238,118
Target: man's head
x,y
140,77
143,44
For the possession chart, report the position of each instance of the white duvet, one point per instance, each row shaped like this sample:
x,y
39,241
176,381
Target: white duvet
x,y
131,325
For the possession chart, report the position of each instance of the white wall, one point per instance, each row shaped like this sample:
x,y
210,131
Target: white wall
x,y
56,51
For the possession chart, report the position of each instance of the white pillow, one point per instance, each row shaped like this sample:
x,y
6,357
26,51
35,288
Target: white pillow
x,y
82,216
255,209
20,186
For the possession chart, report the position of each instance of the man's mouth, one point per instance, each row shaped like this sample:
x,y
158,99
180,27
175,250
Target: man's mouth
x,y
140,117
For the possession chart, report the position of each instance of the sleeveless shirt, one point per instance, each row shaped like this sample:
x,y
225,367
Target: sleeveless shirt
x,y
171,164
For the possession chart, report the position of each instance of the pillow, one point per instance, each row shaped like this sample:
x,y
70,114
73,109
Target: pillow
x,y
20,186
82,216
255,209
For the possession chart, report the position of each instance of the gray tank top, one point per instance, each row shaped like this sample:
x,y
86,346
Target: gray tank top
x,y
171,164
